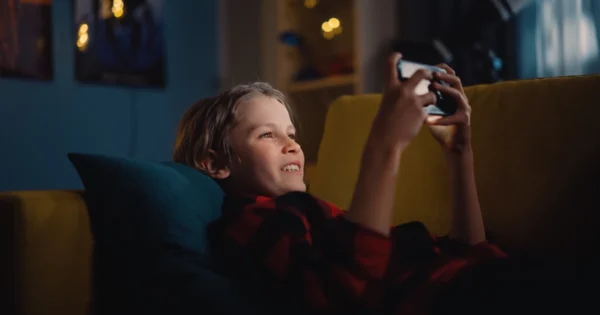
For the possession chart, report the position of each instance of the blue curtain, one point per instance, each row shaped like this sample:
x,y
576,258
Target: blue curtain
x,y
559,37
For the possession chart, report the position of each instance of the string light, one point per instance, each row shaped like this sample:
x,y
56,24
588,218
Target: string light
x,y
118,8
331,28
82,37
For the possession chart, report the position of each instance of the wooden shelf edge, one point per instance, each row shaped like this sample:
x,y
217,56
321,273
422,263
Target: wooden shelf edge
x,y
323,83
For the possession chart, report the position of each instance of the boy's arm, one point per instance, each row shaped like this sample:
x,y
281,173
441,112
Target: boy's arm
x,y
454,134
374,194
398,121
467,220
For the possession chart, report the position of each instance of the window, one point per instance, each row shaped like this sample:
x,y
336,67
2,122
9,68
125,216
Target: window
x,y
559,37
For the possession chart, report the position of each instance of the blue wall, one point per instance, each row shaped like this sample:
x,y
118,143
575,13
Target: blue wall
x,y
41,121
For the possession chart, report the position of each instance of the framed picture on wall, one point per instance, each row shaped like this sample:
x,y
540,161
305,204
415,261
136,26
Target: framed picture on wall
x,y
26,39
120,42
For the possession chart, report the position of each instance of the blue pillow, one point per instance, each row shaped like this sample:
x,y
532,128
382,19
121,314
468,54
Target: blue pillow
x,y
148,222
152,204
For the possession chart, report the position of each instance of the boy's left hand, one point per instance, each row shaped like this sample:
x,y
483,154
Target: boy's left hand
x,y
452,132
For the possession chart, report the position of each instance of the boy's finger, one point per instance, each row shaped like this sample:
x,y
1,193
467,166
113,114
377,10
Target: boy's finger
x,y
459,118
392,70
447,68
416,78
451,79
427,99
453,92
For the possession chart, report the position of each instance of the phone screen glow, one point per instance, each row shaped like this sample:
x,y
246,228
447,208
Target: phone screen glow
x,y
409,68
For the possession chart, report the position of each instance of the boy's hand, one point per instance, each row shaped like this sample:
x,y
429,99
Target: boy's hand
x,y
401,113
452,132
397,122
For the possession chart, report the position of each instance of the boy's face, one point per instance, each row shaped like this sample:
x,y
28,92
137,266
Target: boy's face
x,y
269,161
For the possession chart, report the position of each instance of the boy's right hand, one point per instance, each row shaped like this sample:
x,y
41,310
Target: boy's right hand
x,y
401,113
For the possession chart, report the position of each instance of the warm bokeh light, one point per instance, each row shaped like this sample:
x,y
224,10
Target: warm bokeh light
x,y
334,22
309,4
331,28
118,8
83,37
328,35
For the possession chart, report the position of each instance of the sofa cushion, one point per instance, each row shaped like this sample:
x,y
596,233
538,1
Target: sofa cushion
x,y
45,250
536,155
148,222
148,204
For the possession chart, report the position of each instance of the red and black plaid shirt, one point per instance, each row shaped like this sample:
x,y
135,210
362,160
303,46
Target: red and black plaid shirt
x,y
303,251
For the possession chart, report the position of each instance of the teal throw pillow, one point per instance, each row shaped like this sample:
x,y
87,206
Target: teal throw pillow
x,y
151,254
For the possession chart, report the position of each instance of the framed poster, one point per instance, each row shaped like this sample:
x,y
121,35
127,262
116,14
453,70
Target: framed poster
x,y
120,42
26,39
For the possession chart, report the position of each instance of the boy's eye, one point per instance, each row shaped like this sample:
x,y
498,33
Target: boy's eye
x,y
292,136
266,135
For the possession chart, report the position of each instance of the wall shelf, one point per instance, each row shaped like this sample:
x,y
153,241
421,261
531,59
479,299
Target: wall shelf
x,y
253,50
323,83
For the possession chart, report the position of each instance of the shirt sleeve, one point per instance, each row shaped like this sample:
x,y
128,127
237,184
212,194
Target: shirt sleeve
x,y
302,247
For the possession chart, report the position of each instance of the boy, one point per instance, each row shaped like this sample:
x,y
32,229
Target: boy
x,y
298,250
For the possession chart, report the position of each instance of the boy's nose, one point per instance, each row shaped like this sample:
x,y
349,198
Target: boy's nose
x,y
291,147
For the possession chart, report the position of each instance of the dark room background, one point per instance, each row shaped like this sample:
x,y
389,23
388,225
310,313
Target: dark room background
x,y
40,121
542,38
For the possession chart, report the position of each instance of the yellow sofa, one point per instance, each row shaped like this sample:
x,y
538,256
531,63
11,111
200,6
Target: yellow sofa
x,y
536,151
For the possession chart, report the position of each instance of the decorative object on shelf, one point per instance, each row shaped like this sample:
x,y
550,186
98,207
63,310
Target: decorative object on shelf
x,y
331,28
26,39
314,58
308,70
120,42
336,64
311,69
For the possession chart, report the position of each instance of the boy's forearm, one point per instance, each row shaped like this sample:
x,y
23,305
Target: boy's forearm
x,y
373,198
467,220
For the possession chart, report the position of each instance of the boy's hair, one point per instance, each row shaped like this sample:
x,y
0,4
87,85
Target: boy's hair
x,y
207,123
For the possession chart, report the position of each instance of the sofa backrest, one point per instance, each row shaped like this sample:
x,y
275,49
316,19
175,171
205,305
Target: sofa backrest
x,y
46,248
537,150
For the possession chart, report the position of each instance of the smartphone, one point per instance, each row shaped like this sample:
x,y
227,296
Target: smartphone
x,y
445,105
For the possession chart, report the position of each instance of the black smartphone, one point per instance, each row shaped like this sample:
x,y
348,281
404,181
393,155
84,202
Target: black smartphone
x,y
445,105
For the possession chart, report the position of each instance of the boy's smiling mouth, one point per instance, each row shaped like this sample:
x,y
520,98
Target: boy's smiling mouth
x,y
292,167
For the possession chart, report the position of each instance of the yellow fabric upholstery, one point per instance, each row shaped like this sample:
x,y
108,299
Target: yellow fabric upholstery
x,y
50,243
536,150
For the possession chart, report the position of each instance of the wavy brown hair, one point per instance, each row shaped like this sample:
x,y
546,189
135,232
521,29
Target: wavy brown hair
x,y
207,123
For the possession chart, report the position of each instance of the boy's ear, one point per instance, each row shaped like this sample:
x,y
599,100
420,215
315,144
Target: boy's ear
x,y
213,166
